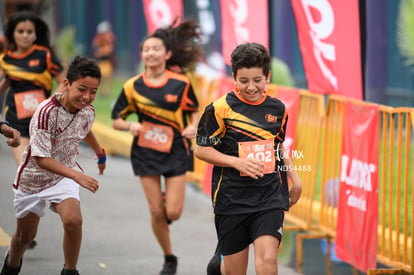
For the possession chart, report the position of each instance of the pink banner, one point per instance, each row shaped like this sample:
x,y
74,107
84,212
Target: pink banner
x,y
161,13
329,40
243,21
356,233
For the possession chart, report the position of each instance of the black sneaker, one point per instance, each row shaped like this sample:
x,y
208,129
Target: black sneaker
x,y
213,266
170,265
32,244
69,272
8,270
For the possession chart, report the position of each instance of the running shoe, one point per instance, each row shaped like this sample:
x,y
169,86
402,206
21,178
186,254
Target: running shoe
x,y
69,272
213,266
32,244
170,265
10,271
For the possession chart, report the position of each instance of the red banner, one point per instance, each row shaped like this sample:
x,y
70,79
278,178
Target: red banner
x,y
356,233
161,13
291,98
329,40
243,21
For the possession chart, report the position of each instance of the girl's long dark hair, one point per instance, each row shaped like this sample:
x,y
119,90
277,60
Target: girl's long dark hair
x,y
183,40
41,28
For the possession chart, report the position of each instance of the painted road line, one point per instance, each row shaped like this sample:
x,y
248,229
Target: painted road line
x,y
4,238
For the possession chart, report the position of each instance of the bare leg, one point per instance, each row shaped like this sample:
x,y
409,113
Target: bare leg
x,y
71,216
25,233
236,264
265,251
152,189
175,194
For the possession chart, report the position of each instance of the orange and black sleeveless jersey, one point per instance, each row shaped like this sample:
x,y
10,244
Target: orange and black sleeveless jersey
x,y
169,104
224,124
32,71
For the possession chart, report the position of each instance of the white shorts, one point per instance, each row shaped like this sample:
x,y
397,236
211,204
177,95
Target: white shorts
x,y
25,203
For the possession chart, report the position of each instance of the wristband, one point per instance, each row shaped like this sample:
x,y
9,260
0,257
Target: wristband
x,y
101,157
4,122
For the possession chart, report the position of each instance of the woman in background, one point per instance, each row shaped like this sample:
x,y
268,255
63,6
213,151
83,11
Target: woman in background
x,y
166,106
28,67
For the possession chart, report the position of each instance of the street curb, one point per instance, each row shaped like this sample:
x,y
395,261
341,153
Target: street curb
x,y
115,142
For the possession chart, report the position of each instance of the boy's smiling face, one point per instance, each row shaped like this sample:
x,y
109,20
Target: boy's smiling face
x,y
251,83
80,93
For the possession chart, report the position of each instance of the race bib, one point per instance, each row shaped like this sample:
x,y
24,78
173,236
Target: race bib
x,y
262,150
156,137
27,102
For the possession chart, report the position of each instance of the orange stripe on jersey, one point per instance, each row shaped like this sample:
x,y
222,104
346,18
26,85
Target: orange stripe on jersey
x,y
166,121
282,130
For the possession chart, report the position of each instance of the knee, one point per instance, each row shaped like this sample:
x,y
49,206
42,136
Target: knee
x,y
25,238
158,213
73,223
267,262
174,214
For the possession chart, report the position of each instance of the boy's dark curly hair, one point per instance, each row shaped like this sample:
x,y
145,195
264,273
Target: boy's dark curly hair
x,y
250,55
81,67
183,40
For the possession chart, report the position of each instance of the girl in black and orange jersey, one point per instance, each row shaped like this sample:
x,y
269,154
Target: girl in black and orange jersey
x,y
166,106
28,67
241,134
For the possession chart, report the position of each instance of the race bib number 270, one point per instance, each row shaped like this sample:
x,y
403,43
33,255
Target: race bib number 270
x,y
156,137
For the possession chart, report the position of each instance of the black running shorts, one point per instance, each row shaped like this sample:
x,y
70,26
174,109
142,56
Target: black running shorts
x,y
236,232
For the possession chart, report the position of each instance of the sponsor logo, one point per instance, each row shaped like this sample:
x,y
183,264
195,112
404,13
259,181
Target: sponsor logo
x,y
271,118
33,62
171,98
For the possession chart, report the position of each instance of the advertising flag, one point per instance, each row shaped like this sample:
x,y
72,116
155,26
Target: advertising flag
x,y
356,233
243,21
329,39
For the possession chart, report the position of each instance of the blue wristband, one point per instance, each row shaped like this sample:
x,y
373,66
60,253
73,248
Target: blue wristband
x,y
101,157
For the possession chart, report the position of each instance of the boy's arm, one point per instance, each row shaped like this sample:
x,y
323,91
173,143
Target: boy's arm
x,y
4,85
11,133
58,168
93,143
295,190
251,167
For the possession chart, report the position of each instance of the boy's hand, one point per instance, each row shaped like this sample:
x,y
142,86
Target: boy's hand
x,y
101,161
250,166
12,134
86,182
101,168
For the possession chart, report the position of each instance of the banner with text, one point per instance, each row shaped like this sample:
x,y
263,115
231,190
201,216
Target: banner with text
x,y
356,233
161,13
329,39
243,21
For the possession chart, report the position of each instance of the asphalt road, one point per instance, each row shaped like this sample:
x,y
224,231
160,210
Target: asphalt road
x,y
117,236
